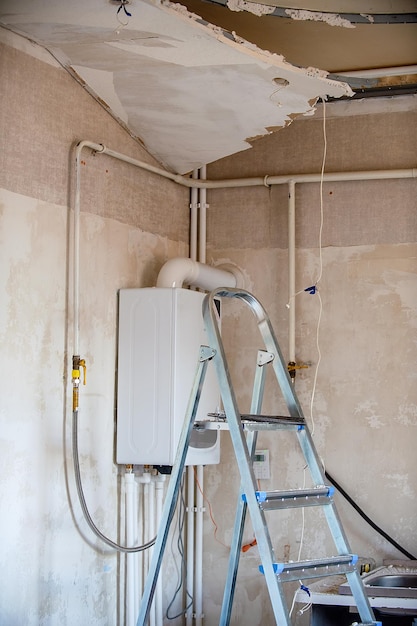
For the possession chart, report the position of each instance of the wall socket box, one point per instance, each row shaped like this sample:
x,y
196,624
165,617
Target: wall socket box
x,y
261,465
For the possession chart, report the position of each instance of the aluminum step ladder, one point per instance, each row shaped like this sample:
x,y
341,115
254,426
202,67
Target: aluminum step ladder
x,y
243,431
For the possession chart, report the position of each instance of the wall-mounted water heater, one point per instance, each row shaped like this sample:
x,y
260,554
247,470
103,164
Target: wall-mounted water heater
x,y
160,333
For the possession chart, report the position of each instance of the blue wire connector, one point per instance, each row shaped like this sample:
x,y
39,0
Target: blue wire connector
x,y
311,290
123,6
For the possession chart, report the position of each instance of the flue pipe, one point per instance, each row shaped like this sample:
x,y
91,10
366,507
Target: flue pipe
x,y
177,271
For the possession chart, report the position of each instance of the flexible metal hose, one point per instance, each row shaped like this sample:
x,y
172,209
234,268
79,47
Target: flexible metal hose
x,y
83,503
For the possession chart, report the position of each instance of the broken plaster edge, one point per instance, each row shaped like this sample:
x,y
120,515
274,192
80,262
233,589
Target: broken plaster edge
x,y
22,42
334,88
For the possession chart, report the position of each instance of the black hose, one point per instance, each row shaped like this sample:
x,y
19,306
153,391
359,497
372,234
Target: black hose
x,y
368,519
83,503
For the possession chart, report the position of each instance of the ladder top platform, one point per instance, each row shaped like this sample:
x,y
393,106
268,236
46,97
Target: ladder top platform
x,y
218,421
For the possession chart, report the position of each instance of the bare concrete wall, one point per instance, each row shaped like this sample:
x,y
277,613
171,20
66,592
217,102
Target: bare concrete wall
x,y
55,572
364,413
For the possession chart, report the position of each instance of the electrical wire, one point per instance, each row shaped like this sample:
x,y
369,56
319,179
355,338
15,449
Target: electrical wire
x,y
314,290
213,521
368,519
83,503
182,571
320,274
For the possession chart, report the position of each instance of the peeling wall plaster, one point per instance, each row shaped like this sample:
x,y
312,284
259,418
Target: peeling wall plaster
x,y
366,396
54,576
190,91
332,19
252,7
56,572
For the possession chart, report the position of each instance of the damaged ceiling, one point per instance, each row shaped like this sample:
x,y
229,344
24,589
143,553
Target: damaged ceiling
x,y
190,91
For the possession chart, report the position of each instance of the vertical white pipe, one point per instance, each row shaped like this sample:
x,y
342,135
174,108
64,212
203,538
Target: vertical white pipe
x,y
199,548
139,560
198,582
151,527
291,270
146,534
130,557
194,219
203,218
76,241
144,556
159,496
190,544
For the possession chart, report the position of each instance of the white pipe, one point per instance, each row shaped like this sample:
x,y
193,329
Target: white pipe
x,y
145,480
194,219
291,271
131,589
178,271
76,243
206,184
203,218
248,182
199,548
151,527
381,72
139,560
159,496
190,544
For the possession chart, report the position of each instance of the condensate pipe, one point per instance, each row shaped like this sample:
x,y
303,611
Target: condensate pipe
x,y
152,530
159,492
190,546
198,607
130,510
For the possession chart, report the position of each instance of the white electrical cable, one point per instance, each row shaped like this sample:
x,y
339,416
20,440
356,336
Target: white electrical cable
x,y
307,606
320,273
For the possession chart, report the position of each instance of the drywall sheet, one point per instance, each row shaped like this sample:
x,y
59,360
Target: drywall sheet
x,y
191,92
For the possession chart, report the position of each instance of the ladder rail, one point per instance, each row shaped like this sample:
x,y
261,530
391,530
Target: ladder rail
x,y
241,508
173,487
242,455
244,459
268,335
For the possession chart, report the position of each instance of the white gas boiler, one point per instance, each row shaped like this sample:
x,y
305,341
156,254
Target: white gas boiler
x,y
160,334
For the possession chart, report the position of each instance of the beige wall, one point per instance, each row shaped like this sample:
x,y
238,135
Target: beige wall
x,y
365,402
54,570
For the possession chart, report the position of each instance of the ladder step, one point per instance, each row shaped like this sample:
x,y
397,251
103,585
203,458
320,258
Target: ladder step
x,y
272,500
273,419
316,568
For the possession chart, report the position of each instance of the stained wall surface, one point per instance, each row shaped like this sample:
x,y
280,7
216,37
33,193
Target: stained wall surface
x,y
365,400
55,571
361,397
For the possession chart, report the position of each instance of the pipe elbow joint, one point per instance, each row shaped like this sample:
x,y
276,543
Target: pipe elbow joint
x,y
178,271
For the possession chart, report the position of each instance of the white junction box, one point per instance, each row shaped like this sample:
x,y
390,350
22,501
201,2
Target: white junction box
x,y
261,465
160,334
